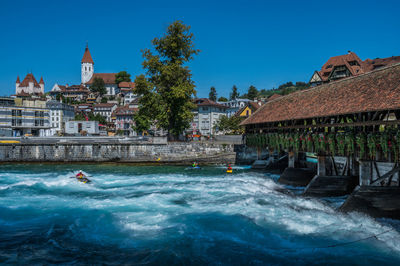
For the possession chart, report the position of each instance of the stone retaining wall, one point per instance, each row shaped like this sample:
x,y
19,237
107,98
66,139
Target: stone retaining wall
x,y
174,153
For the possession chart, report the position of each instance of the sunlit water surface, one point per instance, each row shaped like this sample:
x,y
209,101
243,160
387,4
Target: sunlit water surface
x,y
165,215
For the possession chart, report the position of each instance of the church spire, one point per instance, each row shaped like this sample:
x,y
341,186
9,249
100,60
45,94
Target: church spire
x,y
18,81
41,80
87,58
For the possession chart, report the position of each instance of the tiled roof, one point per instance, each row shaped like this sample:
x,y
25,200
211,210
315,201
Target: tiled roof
x,y
358,68
372,64
29,78
125,84
373,91
342,60
274,96
74,88
208,102
109,78
254,105
101,105
87,57
124,110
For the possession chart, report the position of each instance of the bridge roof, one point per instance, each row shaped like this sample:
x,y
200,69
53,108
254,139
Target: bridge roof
x,y
374,91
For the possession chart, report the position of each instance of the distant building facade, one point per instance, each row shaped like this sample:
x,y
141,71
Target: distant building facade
x,y
105,110
29,86
206,116
234,105
21,117
124,120
78,127
60,113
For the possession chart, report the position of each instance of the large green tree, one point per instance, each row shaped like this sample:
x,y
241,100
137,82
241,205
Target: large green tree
x,y
252,93
122,76
98,86
222,99
167,88
213,94
234,94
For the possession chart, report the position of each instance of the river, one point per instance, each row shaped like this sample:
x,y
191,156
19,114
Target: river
x,y
169,215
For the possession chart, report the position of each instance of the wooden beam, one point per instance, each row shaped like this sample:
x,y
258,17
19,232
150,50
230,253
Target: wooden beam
x,y
354,124
388,174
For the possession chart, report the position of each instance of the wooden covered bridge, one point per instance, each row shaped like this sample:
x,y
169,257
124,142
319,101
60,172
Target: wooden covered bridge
x,y
353,127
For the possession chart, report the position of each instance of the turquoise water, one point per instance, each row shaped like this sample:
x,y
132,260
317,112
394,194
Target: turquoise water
x,y
165,215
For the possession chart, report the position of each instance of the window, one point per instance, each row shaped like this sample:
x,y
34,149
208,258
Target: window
x,y
13,122
353,63
13,112
37,123
36,113
42,122
41,113
205,108
19,122
328,66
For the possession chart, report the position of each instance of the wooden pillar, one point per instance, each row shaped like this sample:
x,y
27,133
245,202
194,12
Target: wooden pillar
x,y
365,173
271,158
292,159
321,168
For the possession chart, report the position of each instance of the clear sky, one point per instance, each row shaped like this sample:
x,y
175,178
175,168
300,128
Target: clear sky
x,y
260,43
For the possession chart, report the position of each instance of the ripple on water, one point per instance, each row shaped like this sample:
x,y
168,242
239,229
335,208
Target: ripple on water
x,y
167,215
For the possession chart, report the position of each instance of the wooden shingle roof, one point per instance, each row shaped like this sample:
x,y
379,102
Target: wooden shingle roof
x,y
373,91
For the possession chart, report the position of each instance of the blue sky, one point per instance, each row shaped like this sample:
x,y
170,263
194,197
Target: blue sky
x,y
260,43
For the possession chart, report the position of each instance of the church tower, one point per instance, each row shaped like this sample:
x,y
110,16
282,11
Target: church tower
x,y
87,66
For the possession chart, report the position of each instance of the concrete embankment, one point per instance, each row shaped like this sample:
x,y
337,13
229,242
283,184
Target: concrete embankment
x,y
130,152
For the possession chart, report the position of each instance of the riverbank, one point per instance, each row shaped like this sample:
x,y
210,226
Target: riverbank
x,y
125,151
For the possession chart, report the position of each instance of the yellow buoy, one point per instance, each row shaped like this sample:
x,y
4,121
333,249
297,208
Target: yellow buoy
x,y
229,171
158,159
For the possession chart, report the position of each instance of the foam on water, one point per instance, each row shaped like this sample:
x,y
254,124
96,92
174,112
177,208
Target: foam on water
x,y
155,215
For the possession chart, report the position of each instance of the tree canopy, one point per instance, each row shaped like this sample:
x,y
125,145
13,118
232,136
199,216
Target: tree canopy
x,y
167,89
222,99
122,76
234,94
98,86
252,93
230,125
285,89
213,94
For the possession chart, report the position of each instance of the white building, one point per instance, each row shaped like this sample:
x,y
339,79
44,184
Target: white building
x,y
104,109
77,127
206,115
60,113
88,75
127,91
234,105
87,66
29,86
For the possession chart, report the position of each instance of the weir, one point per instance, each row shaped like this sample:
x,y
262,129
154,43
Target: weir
x,y
94,150
352,127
